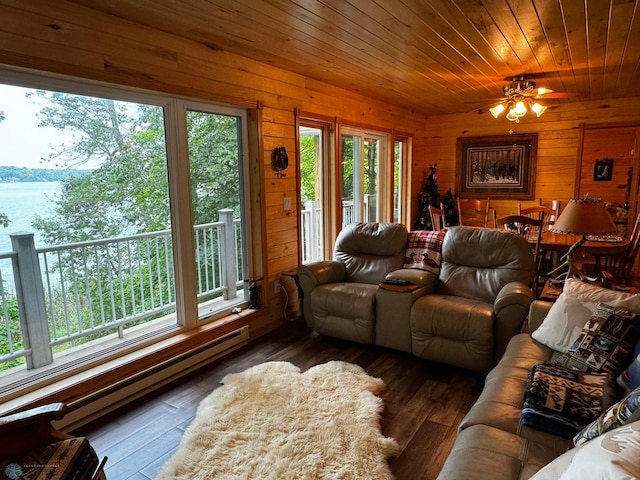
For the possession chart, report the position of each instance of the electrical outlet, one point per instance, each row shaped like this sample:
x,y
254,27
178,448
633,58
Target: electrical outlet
x,y
276,286
286,204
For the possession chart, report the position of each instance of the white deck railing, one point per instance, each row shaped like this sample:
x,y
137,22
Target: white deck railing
x,y
71,293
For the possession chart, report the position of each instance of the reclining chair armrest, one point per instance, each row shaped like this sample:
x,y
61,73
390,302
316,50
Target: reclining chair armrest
x,y
537,313
312,274
317,273
511,307
422,278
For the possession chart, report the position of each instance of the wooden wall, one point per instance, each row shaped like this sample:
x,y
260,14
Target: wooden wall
x,y
64,38
559,139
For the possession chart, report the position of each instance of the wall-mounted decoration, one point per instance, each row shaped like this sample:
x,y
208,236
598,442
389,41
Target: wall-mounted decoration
x,y
501,166
602,170
279,160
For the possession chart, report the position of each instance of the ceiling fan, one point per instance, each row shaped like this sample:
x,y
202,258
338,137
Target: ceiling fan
x,y
520,96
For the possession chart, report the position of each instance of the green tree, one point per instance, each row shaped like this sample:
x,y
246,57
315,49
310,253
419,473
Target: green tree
x,y
126,192
308,167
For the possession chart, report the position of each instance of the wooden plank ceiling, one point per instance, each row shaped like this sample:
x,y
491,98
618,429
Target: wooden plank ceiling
x,y
435,56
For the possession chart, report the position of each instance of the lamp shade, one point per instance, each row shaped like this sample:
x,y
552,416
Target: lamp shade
x,y
587,216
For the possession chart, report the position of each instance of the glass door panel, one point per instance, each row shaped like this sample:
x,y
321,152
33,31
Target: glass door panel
x,y
311,193
361,176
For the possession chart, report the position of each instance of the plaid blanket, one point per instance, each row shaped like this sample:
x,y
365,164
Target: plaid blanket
x,y
424,250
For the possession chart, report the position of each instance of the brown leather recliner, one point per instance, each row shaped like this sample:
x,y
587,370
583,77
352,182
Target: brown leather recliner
x,y
339,296
480,301
464,316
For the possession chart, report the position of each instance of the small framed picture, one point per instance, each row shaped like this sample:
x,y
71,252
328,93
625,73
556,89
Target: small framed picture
x,y
602,170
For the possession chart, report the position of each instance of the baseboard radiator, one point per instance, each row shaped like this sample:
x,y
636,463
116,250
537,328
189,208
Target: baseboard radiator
x,y
99,403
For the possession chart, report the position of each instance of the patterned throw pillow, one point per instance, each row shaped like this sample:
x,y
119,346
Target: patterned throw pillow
x,y
424,250
562,401
625,411
606,341
629,379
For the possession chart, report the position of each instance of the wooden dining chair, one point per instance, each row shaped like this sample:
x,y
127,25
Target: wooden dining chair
x,y
553,205
438,220
473,212
537,212
619,267
531,230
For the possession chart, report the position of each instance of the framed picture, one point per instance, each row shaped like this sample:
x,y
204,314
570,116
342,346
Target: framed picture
x,y
501,166
602,170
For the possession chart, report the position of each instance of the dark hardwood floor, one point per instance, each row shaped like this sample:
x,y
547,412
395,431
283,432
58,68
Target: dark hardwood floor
x,y
423,404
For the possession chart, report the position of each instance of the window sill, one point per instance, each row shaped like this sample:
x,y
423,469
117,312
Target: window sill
x,y
85,370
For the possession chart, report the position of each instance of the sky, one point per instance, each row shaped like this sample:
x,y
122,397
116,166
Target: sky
x,y
22,142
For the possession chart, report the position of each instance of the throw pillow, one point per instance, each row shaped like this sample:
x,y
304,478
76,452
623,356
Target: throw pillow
x,y
625,411
630,377
572,309
562,401
424,250
612,455
606,341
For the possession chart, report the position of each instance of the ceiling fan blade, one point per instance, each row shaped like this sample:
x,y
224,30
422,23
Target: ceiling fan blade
x,y
560,95
486,101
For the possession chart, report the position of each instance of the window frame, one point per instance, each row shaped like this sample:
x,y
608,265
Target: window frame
x,y
332,184
178,176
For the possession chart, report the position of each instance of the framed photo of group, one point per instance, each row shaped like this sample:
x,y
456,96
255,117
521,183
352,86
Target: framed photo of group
x,y
500,166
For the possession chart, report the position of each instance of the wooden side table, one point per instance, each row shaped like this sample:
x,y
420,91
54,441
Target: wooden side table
x,y
550,293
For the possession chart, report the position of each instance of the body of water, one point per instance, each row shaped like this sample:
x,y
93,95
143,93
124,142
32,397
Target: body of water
x,y
21,202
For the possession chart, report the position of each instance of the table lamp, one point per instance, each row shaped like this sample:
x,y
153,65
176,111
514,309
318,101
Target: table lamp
x,y
585,216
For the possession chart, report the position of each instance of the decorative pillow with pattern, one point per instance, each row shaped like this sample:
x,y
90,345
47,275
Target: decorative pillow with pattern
x,y
625,411
606,342
572,309
562,401
424,250
629,379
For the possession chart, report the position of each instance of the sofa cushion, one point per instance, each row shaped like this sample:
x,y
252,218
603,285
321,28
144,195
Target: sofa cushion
x,y
606,342
453,330
483,452
424,250
561,401
612,455
500,403
345,310
625,411
572,309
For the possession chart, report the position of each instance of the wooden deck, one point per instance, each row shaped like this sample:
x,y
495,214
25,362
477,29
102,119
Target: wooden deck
x,y
424,403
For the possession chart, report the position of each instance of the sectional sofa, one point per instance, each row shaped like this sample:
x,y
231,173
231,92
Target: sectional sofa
x,y
493,442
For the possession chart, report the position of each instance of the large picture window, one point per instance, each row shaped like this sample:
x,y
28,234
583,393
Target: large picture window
x,y
94,179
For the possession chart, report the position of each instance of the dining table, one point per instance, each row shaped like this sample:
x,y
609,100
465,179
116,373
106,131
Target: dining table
x,y
559,243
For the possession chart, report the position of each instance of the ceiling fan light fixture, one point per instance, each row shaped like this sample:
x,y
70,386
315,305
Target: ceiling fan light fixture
x,y
520,109
520,97
512,117
497,110
538,109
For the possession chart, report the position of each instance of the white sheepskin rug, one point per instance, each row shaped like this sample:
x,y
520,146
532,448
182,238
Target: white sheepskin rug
x,y
274,422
